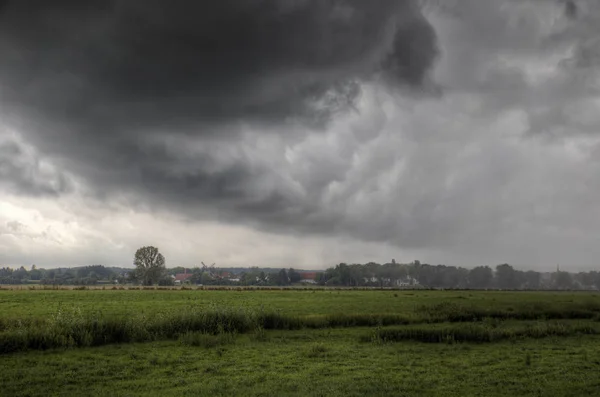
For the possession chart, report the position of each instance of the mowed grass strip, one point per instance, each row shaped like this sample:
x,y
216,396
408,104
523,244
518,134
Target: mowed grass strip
x,y
310,363
37,304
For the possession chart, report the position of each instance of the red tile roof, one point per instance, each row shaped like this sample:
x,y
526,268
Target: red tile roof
x,y
183,276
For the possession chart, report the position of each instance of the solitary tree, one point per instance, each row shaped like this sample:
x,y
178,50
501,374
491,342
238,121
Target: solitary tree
x,y
149,265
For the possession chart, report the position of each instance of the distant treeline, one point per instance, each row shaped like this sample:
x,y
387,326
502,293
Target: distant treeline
x,y
85,275
98,274
451,277
390,275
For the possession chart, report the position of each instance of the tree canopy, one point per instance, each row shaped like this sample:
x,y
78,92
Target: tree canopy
x,y
149,265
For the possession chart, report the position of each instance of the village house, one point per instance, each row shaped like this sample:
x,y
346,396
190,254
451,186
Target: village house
x,y
181,278
309,277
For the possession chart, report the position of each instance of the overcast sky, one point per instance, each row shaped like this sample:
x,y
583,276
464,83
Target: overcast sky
x,y
300,133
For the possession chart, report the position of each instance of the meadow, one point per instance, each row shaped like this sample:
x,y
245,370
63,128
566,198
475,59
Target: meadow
x,y
298,342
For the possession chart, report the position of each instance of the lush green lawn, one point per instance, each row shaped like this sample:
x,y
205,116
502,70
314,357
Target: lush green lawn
x,y
311,363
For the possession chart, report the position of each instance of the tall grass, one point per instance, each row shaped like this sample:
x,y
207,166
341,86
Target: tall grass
x,y
452,312
478,332
203,339
70,327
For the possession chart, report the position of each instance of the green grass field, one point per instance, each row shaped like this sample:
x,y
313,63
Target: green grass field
x,y
298,342
37,303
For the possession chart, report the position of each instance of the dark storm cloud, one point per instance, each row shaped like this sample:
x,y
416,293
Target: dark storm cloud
x,y
129,65
102,86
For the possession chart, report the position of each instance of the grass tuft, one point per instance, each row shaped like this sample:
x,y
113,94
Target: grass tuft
x,y
207,341
317,350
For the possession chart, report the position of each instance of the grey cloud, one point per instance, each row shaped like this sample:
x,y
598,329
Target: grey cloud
x,y
571,9
22,172
14,226
21,231
539,56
